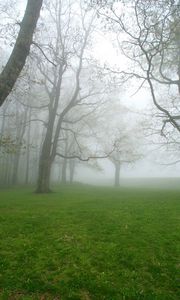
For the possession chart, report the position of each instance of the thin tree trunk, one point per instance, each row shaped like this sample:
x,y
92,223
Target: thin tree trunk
x,y
72,164
15,167
59,172
64,171
28,149
65,161
21,128
4,156
6,169
117,175
9,178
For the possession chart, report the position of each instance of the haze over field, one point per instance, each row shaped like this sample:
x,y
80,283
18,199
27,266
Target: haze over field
x,y
89,149
108,112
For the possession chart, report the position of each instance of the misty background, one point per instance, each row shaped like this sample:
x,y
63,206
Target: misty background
x,y
83,107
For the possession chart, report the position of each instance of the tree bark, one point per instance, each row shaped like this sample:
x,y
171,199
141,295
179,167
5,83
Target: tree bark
x,y
43,185
45,164
117,175
21,49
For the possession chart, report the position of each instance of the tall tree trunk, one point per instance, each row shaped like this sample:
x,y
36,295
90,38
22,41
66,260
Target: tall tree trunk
x,y
28,149
16,167
6,169
65,161
117,175
59,172
43,185
45,163
9,177
27,165
47,155
20,128
64,171
3,158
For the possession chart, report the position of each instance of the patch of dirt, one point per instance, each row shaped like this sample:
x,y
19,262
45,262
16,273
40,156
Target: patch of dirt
x,y
85,295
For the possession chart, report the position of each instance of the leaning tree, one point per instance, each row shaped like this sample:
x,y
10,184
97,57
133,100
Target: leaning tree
x,y
17,59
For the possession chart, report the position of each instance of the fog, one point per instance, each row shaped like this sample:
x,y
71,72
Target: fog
x,y
89,149
98,99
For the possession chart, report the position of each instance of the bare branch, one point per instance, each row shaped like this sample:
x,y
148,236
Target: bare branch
x,y
85,159
38,46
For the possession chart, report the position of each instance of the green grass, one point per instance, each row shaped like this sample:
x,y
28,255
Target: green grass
x,y
89,243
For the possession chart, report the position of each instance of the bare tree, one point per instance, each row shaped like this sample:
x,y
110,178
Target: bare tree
x,y
125,153
148,35
64,78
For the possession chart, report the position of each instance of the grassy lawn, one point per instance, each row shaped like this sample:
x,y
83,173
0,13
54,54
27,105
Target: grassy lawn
x,y
89,243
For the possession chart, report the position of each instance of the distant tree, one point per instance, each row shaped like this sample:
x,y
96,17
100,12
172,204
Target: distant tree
x,y
17,125
125,152
122,133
